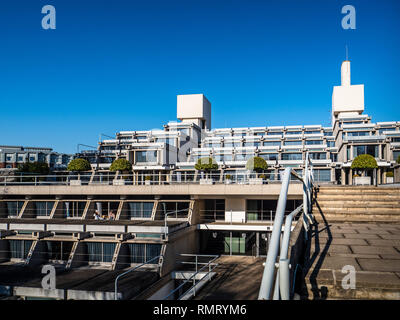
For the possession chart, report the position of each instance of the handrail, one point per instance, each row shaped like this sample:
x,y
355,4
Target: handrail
x,y
282,276
130,270
209,263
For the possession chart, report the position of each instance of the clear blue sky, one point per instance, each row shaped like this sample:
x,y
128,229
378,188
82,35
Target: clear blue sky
x,y
118,65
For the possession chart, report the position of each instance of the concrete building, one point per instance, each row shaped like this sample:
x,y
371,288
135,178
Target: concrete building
x,y
12,156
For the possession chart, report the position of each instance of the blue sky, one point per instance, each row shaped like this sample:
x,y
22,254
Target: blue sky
x,y
118,65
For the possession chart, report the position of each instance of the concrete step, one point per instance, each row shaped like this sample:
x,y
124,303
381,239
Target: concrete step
x,y
360,197
357,204
360,191
358,210
369,286
341,217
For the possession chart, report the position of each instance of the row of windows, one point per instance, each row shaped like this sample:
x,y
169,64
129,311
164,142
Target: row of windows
x,y
266,156
267,143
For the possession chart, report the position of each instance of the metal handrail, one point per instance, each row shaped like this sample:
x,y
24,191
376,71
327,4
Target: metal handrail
x,y
130,270
209,264
282,276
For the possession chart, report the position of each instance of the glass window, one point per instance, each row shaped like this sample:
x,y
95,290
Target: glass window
x,y
358,134
142,252
243,156
146,156
232,144
396,154
9,157
272,143
269,156
140,209
330,144
292,156
252,143
293,132
100,251
274,133
311,142
368,149
43,208
317,155
14,207
20,248
322,175
293,143
312,132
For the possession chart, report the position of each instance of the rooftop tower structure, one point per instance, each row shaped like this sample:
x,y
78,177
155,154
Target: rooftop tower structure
x,y
347,99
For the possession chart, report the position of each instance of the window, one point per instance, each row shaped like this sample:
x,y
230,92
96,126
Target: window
x,y
381,131
146,156
100,251
311,142
368,149
317,155
396,154
19,249
395,139
334,157
43,208
214,209
142,252
322,175
292,156
14,207
330,143
32,157
213,145
328,133
20,157
358,134
9,157
252,143
269,156
173,209
272,143
293,143
312,132
232,144
274,133
140,209
293,132
59,250
243,156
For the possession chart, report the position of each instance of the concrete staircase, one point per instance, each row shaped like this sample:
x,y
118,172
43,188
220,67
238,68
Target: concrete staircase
x,y
353,203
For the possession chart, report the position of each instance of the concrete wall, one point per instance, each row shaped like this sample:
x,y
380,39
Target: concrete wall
x,y
185,242
235,209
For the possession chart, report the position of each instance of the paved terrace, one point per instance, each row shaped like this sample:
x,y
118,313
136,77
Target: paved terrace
x,y
372,248
77,284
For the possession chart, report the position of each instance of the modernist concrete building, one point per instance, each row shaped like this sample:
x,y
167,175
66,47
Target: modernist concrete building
x,y
12,156
172,215
177,147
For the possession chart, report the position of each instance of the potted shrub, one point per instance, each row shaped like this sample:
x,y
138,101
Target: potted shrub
x,y
77,166
363,163
228,179
147,180
389,177
206,165
256,164
120,165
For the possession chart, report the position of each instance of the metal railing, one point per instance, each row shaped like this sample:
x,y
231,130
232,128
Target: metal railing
x,y
138,178
210,265
130,270
282,281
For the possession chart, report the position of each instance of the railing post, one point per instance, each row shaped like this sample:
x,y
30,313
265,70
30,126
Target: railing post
x,y
284,278
267,279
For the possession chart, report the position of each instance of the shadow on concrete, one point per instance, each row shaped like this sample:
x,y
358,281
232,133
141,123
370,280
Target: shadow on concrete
x,y
318,256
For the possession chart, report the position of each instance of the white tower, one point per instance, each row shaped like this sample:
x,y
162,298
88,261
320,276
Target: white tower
x,y
194,108
347,99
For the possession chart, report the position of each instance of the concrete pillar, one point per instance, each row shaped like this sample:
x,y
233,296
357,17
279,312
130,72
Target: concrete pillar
x,y
350,176
379,175
343,172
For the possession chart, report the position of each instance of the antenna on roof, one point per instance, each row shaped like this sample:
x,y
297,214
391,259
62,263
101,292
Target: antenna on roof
x,y
347,53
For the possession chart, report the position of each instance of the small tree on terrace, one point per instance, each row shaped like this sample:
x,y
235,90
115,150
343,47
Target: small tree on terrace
x,y
206,164
79,165
364,163
122,165
256,164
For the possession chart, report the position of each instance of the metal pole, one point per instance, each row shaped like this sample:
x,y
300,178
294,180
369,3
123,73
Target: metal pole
x,y
268,275
284,278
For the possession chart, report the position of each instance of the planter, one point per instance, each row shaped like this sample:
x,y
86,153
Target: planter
x,y
75,182
206,181
362,181
118,182
389,179
255,181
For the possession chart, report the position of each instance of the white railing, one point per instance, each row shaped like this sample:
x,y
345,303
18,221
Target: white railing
x,y
282,282
94,179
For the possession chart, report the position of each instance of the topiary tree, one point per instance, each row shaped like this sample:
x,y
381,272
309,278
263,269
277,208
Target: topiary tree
x,y
79,165
364,162
121,165
206,164
256,164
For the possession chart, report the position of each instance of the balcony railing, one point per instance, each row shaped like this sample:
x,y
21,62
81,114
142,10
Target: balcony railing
x,y
142,179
